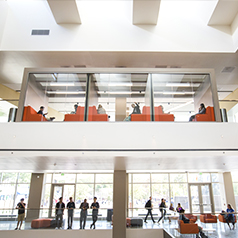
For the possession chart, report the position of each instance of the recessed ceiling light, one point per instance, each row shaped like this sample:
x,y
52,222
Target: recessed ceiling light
x,y
65,92
61,84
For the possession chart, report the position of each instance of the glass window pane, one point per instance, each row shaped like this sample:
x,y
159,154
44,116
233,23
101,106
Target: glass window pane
x,y
141,178
83,191
64,178
7,192
85,178
160,178
24,178
22,192
104,178
141,193
160,191
0,177
178,178
179,194
215,177
234,176
48,178
46,196
9,177
104,194
199,177
217,197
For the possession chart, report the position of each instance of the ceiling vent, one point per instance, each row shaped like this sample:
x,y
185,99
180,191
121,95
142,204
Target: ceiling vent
x,y
65,66
79,66
175,67
120,66
40,32
228,69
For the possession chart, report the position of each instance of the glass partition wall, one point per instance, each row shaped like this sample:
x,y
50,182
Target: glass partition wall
x,y
117,97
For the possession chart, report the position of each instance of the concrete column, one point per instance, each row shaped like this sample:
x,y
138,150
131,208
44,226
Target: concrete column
x,y
120,107
229,191
34,200
119,204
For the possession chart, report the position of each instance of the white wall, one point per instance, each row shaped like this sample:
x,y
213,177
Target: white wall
x,y
3,17
107,26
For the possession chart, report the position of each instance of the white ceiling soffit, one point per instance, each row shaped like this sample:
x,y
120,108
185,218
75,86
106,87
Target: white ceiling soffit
x,y
65,11
225,14
145,12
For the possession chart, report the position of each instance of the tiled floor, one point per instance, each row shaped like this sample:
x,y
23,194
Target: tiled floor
x,y
219,230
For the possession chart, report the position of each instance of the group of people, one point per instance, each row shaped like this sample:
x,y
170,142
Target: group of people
x,y
84,206
59,212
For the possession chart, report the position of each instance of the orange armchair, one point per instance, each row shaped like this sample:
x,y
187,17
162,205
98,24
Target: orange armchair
x,y
78,116
208,116
208,218
94,116
30,114
144,116
221,218
161,116
187,228
191,217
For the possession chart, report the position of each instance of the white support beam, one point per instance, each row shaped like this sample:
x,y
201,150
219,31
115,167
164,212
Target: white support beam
x,y
224,13
145,12
64,11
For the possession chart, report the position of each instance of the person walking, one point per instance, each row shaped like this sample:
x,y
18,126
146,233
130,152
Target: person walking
x,y
149,208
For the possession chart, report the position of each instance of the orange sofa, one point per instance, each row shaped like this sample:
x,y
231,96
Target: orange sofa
x,y
221,218
94,116
79,116
30,114
187,228
161,116
208,116
208,218
144,116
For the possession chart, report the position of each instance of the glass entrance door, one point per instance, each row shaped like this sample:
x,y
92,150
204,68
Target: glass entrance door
x,y
61,190
200,198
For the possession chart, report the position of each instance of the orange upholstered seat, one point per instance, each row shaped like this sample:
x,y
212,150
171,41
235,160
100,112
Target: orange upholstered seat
x,y
144,116
191,217
161,116
221,218
208,218
30,114
208,116
187,228
78,116
41,223
94,116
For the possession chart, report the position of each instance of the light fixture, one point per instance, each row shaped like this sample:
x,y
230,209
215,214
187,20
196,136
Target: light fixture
x,y
118,92
174,93
61,84
182,84
65,92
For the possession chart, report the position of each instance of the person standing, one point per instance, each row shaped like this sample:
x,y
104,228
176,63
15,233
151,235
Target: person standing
x,y
59,211
70,207
149,207
21,213
95,207
83,214
162,207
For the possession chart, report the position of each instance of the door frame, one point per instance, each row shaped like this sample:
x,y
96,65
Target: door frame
x,y
200,196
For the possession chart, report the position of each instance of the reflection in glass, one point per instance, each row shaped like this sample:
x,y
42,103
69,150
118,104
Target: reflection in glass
x,y
7,193
22,192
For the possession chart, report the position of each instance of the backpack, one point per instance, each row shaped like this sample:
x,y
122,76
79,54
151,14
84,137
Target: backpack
x,y
147,204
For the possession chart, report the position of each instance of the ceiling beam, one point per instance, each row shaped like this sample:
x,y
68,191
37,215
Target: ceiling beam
x,y
145,12
64,11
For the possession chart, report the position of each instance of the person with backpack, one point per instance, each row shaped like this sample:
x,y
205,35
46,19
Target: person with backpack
x,y
162,208
149,207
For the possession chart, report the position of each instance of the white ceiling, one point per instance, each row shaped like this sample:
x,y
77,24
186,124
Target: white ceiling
x,y
12,64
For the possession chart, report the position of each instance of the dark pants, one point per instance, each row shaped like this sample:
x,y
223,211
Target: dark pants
x,y
230,219
95,218
163,213
70,219
83,218
59,220
149,212
192,117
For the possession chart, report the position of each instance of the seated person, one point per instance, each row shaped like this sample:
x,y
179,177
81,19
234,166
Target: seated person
x,y
136,110
41,112
179,208
171,208
202,110
101,110
186,220
230,216
75,109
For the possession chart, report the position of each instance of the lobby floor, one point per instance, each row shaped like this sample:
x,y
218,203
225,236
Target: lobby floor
x,y
213,231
